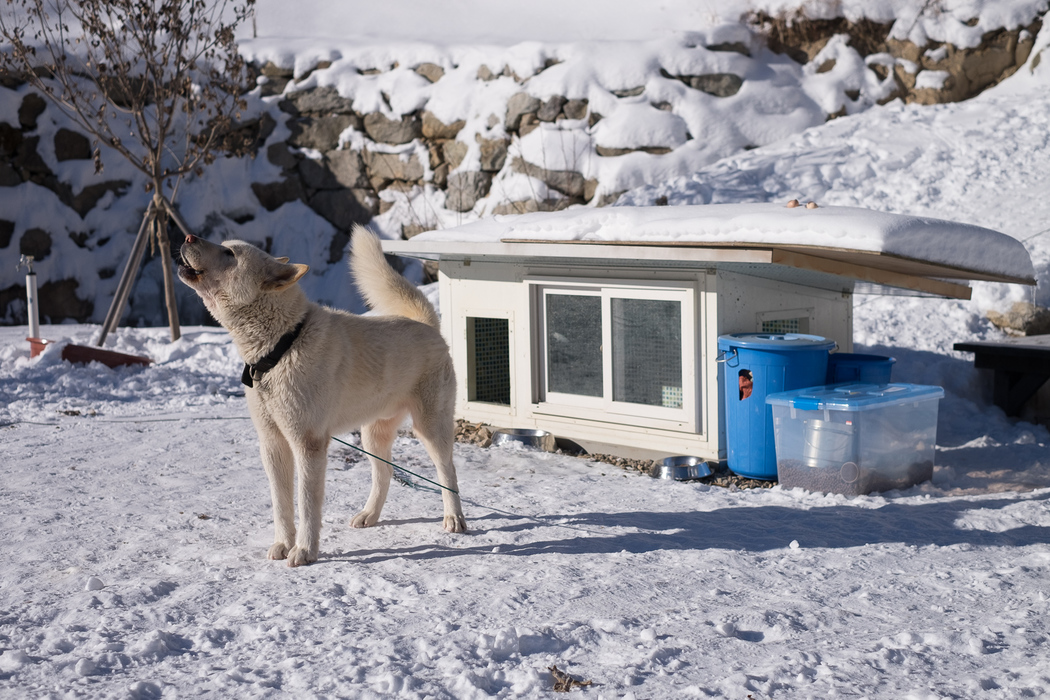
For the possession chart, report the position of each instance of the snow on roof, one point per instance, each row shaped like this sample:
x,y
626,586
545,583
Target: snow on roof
x,y
937,241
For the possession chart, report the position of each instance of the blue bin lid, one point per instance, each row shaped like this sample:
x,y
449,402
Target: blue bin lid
x,y
854,397
774,341
847,357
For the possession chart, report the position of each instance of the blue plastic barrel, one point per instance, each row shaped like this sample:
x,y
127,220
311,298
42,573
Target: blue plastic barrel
x,y
856,368
756,365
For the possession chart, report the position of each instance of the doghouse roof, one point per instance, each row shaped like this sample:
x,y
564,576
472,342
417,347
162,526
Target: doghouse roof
x,y
826,247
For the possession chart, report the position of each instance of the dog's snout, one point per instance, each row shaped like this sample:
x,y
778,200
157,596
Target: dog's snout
x,y
190,239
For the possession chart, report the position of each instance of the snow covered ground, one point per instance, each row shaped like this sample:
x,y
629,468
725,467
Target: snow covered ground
x,y
136,519
136,514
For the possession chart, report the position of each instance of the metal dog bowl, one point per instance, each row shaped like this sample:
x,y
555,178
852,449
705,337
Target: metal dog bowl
x,y
538,439
682,468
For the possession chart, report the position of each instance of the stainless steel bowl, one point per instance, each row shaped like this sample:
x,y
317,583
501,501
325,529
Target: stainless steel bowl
x,y
538,439
682,468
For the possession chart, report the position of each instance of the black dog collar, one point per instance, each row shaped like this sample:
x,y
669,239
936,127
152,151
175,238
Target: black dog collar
x,y
254,373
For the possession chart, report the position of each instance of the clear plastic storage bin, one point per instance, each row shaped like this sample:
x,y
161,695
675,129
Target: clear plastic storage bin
x,y
854,439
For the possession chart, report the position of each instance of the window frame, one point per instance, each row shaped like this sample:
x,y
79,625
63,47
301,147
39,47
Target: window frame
x,y
604,408
465,378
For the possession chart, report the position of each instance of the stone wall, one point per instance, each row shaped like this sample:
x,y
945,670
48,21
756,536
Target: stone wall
x,y
966,71
352,166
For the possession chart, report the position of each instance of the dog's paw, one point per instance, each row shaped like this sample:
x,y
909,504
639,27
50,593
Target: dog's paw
x,y
278,551
299,557
455,523
365,518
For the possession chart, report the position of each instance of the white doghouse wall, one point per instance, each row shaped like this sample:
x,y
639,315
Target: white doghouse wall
x,y
713,302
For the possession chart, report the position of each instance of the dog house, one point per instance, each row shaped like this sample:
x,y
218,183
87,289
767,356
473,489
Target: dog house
x,y
601,325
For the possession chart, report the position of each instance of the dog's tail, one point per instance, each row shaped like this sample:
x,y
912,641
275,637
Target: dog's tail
x,y
383,289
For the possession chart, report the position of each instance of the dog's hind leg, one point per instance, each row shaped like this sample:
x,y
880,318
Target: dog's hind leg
x,y
377,438
280,470
436,431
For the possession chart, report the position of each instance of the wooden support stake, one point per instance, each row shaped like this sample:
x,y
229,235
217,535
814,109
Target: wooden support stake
x,y
127,278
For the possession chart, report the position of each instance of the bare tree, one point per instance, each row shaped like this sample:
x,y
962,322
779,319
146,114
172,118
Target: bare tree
x,y
158,81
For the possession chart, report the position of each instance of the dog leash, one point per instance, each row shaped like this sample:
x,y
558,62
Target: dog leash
x,y
398,467
407,482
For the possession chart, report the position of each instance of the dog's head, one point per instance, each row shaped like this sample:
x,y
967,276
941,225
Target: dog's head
x,y
234,274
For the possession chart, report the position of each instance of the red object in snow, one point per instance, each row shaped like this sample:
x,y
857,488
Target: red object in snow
x,y
86,353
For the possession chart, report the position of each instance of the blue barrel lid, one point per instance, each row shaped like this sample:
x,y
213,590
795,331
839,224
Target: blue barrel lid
x,y
854,397
774,341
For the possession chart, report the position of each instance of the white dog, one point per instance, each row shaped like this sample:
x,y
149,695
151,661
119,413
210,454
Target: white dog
x,y
314,372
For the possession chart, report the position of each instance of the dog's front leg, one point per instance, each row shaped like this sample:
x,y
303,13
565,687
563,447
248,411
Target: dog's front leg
x,y
280,470
311,459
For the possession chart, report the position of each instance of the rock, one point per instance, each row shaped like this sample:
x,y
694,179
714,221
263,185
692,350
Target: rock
x,y
9,177
32,106
455,152
485,73
466,188
568,182
271,86
575,109
440,177
412,230
85,200
529,122
431,71
385,167
734,46
279,155
434,128
717,84
1023,318
629,92
319,133
550,109
607,152
436,153
321,101
611,197
348,168
7,230
344,208
35,242
29,163
243,138
337,246
315,175
493,154
383,130
528,206
518,106
272,70
59,301
272,195
10,140
70,145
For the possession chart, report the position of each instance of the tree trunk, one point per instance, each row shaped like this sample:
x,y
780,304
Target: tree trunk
x,y
161,222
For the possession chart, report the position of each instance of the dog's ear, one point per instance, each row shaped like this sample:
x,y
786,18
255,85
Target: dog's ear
x,y
283,276
281,260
